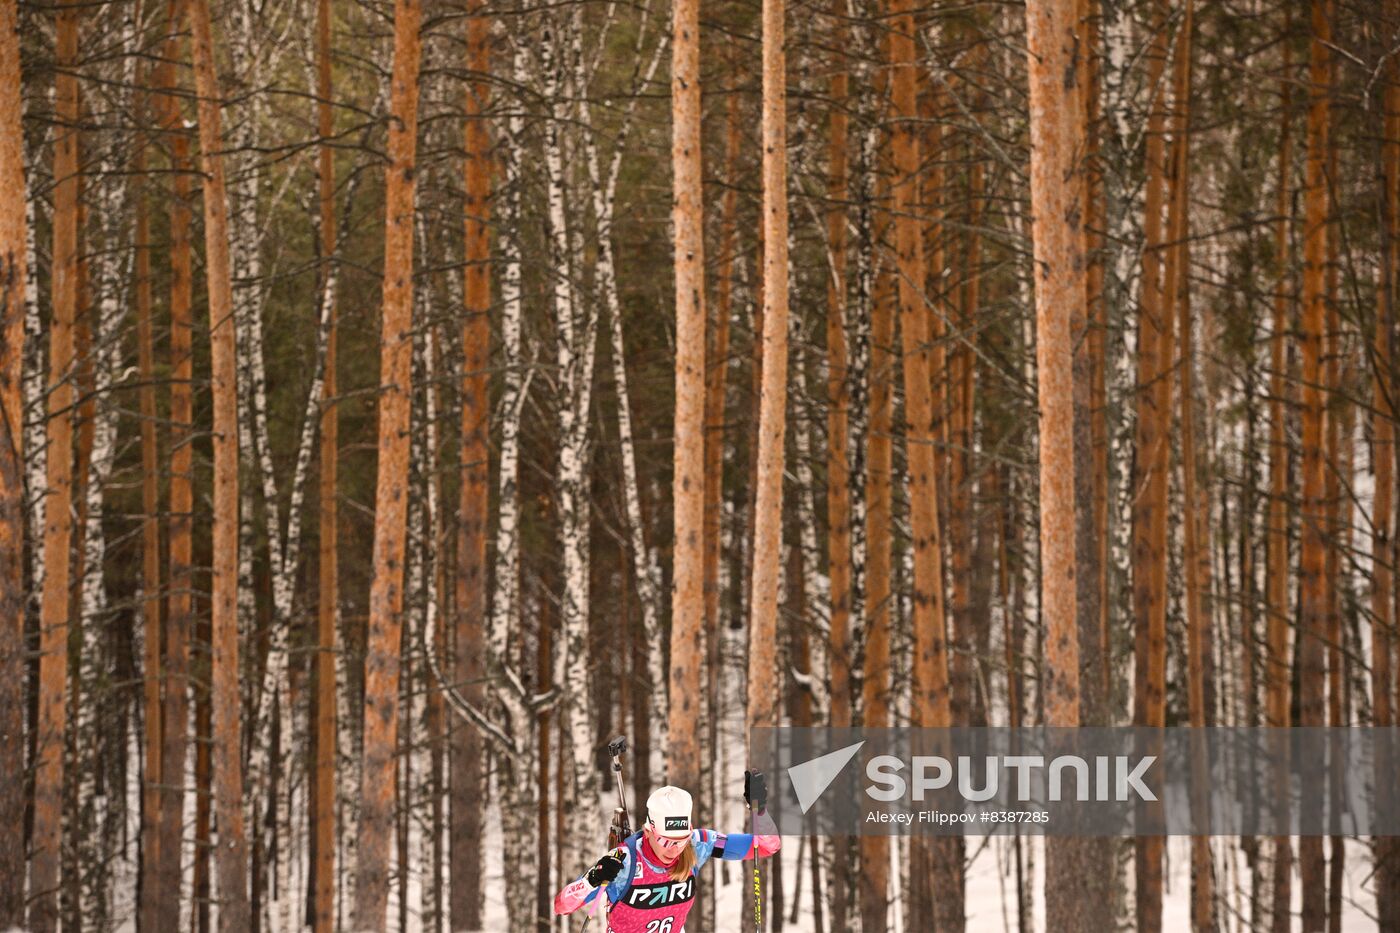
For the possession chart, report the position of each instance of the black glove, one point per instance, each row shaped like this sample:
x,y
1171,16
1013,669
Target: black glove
x,y
755,790
607,868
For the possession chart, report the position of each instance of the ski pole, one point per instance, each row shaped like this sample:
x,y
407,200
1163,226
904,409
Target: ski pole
x,y
754,780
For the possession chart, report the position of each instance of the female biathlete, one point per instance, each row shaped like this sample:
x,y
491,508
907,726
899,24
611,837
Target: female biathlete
x,y
651,879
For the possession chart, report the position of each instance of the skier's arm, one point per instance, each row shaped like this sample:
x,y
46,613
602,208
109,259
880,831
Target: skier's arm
x,y
586,888
574,896
737,846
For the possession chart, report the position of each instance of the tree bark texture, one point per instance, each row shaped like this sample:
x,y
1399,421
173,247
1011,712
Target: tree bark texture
x,y
52,721
688,496
468,748
14,273
230,856
378,794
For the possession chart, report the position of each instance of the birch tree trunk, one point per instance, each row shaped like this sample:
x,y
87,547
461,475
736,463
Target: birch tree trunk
x,y
505,608
58,524
14,273
80,754
435,842
105,789
681,751
35,402
1313,611
575,349
381,713
515,785
258,49
230,856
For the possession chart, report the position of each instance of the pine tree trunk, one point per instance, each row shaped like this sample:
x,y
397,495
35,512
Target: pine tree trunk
x,y
328,568
1095,223
1335,411
1153,447
877,682
1101,881
377,791
1313,611
1057,202
931,706
150,563
1383,455
843,687
682,751
838,402
763,685
230,856
716,382
1277,670
468,748
959,427
14,273
838,462
1057,133
58,527
231,862
179,616
1178,300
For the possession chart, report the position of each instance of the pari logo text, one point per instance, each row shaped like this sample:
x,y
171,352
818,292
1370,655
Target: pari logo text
x,y
1101,778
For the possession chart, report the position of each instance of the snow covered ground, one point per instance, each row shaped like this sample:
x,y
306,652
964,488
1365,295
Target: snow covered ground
x,y
991,885
991,879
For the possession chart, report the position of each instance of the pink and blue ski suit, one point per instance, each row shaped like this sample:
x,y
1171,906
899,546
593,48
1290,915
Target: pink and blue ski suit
x,y
644,899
